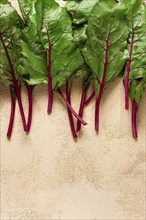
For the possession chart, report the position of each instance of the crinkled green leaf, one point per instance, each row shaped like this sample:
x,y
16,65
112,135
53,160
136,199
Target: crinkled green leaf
x,y
80,10
105,52
33,61
10,31
136,90
25,7
55,30
136,65
80,35
81,38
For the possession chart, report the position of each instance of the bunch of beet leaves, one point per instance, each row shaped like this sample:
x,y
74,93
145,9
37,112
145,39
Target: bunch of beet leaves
x,y
96,40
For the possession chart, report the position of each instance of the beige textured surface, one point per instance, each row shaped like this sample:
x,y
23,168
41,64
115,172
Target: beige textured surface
x,y
46,175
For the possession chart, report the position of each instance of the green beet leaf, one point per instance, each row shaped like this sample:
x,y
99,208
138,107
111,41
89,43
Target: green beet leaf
x,y
10,30
135,73
33,59
49,52
63,56
105,51
80,10
26,7
10,33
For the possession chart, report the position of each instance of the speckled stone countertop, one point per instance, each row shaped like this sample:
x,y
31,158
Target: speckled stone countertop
x,y
46,175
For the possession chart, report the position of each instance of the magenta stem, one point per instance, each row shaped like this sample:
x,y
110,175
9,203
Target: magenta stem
x,y
15,82
70,116
97,110
71,109
127,85
128,68
88,100
81,110
134,124
21,109
50,92
12,115
30,108
102,84
50,89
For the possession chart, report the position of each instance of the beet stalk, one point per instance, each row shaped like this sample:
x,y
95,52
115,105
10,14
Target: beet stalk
x,y
82,105
50,89
127,85
97,110
15,82
89,99
102,84
134,124
12,115
70,116
71,109
30,108
128,68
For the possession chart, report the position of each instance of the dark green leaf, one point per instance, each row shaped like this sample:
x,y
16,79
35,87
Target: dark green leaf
x,y
10,32
33,61
136,65
26,7
56,35
105,52
80,10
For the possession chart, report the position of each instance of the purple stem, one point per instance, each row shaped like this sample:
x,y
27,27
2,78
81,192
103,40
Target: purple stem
x,y
12,115
81,110
134,124
127,85
70,116
98,100
97,108
128,68
88,100
71,109
15,82
29,90
50,89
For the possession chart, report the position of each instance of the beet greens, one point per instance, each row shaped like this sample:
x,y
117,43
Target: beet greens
x,y
135,73
49,52
105,50
80,12
26,7
33,61
96,40
10,34
63,56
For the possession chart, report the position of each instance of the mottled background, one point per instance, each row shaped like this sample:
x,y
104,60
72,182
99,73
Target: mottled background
x,y
46,175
